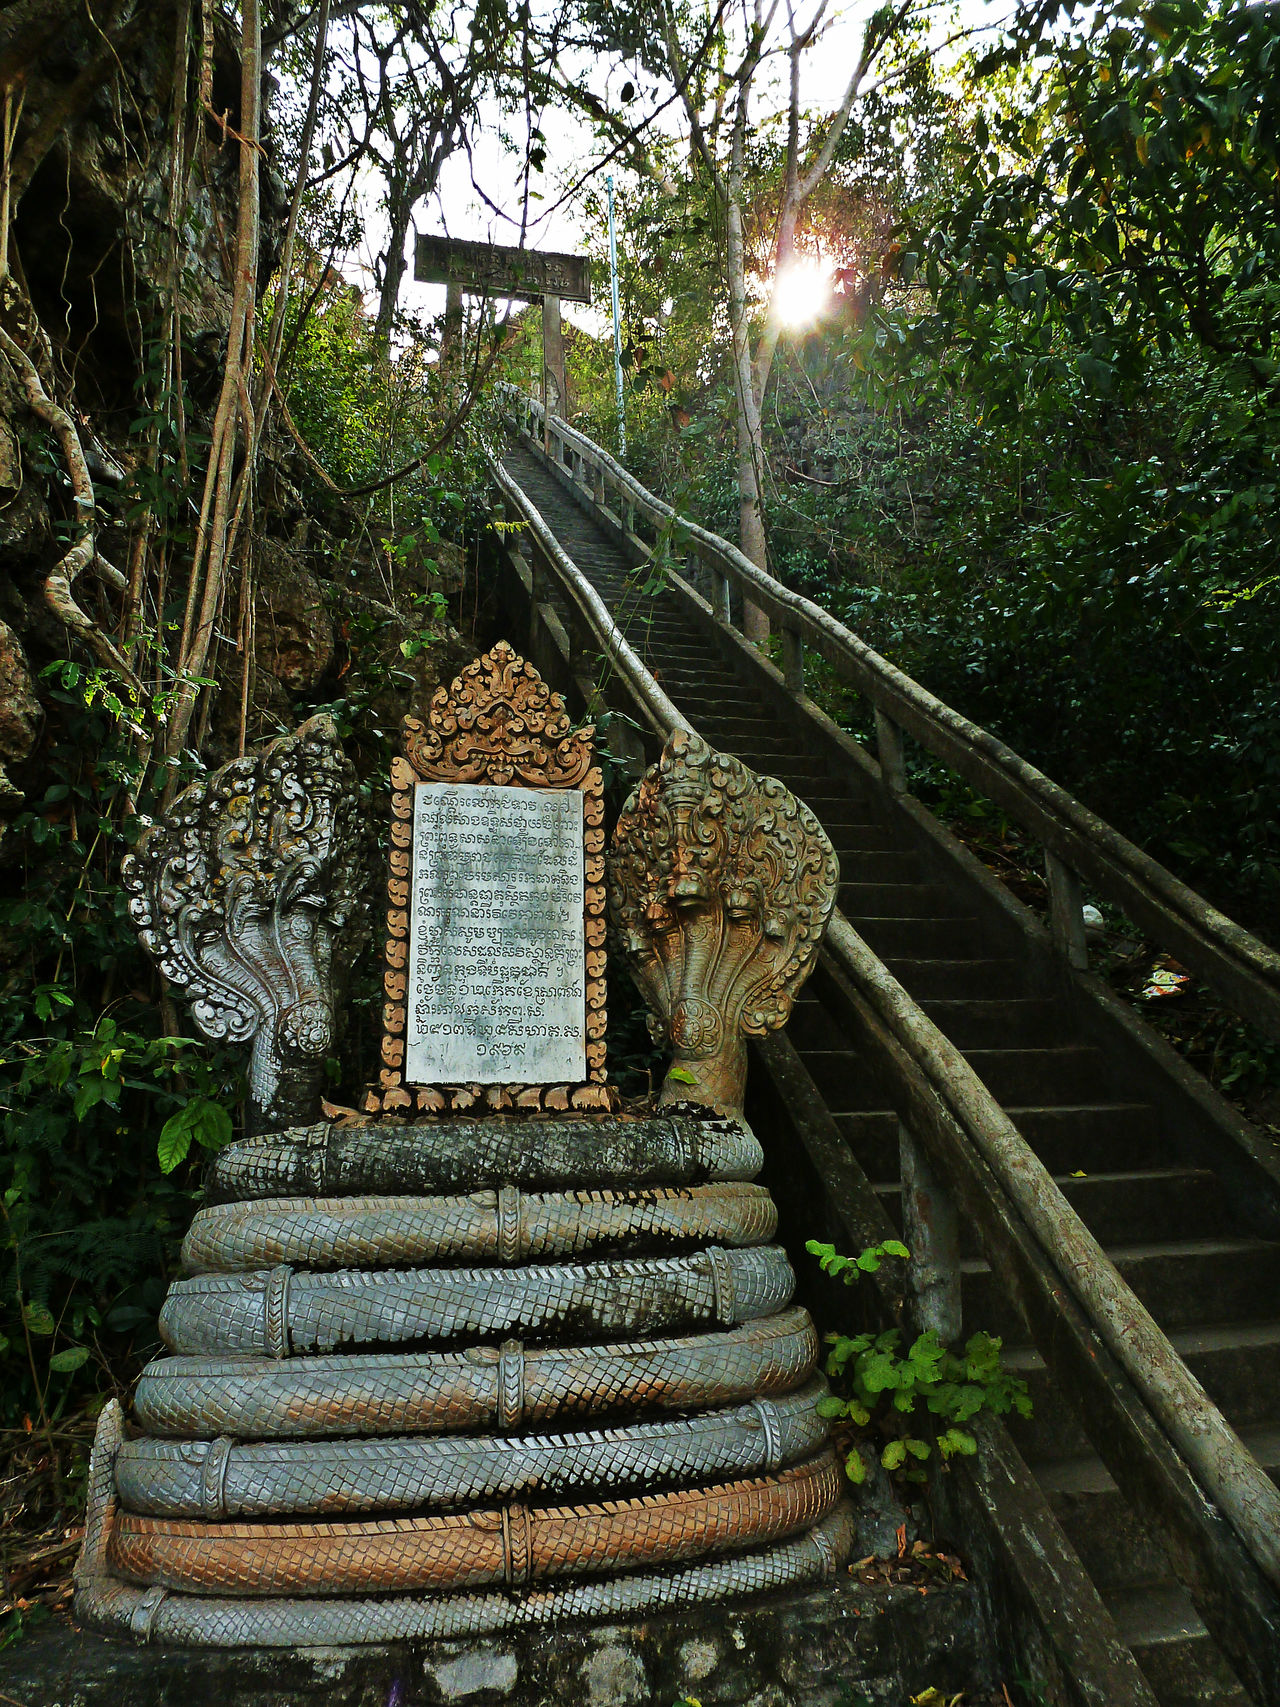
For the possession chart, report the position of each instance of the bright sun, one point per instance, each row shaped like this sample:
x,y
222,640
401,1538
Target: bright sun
x,y
803,291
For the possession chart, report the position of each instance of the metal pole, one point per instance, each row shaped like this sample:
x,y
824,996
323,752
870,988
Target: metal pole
x,y
617,325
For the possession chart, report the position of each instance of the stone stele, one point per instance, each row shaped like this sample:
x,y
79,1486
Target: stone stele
x,y
497,958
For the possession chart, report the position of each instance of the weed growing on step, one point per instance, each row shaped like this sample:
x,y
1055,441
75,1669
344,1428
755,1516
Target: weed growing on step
x,y
886,1392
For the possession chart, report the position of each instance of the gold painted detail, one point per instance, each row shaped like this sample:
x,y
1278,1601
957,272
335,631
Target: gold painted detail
x,y
498,723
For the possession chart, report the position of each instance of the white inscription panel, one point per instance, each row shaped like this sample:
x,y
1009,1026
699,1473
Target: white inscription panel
x,y
497,957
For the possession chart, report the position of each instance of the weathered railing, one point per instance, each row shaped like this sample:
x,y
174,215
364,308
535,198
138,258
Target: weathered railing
x,y
1242,1600
1078,845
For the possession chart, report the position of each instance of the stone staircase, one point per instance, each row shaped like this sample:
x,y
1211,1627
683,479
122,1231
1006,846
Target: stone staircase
x,y
1135,1164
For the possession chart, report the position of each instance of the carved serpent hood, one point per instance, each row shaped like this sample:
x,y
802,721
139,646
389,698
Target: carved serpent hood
x,y
247,892
722,883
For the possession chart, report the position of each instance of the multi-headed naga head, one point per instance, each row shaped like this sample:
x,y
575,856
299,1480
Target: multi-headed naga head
x,y
721,885
247,893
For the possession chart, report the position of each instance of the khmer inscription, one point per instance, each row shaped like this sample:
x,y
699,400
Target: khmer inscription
x,y
497,960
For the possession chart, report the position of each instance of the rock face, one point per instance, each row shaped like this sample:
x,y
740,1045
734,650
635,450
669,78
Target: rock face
x,y
93,169
292,634
20,713
125,201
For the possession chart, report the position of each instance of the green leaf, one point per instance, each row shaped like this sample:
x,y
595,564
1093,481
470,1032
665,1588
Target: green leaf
x,y
66,1362
894,1455
681,1075
879,1373
954,1442
38,1318
213,1126
201,1121
854,1468
89,1094
174,1142
830,1406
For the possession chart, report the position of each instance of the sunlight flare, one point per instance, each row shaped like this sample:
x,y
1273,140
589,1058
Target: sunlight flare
x,y
802,291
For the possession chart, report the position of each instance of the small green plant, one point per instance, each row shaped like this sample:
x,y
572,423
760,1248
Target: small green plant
x,y
881,1388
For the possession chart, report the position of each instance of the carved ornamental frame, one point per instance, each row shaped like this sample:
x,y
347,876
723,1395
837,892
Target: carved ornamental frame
x,y
498,723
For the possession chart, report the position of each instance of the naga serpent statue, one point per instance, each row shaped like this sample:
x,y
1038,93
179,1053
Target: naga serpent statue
x,y
721,885
448,1376
248,895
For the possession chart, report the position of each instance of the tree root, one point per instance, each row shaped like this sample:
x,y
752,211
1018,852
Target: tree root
x,y
59,585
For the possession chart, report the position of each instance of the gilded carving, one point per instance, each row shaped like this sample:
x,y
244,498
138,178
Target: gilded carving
x,y
247,894
722,883
500,724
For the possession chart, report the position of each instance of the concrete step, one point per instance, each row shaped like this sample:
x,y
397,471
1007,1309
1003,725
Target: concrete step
x,y
1117,1548
989,1024
867,863
1186,1283
1099,1135
844,1078
803,774
1021,1023
899,898
944,936
748,736
853,827
951,977
1040,1074
1153,1204
1172,1646
1083,1138
1238,1364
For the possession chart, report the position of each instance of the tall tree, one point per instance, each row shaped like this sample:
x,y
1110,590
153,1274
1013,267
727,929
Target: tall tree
x,y
717,92
409,96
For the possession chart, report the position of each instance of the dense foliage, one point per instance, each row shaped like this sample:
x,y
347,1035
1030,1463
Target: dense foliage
x,y
1031,452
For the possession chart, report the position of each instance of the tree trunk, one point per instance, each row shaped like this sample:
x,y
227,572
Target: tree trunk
x,y
393,272
755,623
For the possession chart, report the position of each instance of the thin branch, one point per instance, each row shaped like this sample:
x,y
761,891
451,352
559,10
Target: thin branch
x,y
221,509
295,202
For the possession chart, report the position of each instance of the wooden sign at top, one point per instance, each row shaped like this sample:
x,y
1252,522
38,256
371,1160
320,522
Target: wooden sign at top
x,y
497,271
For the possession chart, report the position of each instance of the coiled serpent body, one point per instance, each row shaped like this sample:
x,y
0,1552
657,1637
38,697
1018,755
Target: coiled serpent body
x,y
279,1482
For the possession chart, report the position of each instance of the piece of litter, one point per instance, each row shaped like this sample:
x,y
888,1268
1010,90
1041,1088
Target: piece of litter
x,y
1164,983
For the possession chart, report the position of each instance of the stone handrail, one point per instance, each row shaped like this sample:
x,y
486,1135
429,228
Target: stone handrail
x,y
1229,1474
1077,843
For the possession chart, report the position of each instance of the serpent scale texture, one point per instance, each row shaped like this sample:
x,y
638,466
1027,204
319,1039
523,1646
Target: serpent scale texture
x,y
218,1479
195,1620
514,1545
472,1155
413,1475
277,1313
449,1392
504,1226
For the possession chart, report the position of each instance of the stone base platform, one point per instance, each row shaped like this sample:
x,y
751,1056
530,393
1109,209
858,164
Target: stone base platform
x,y
847,1645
